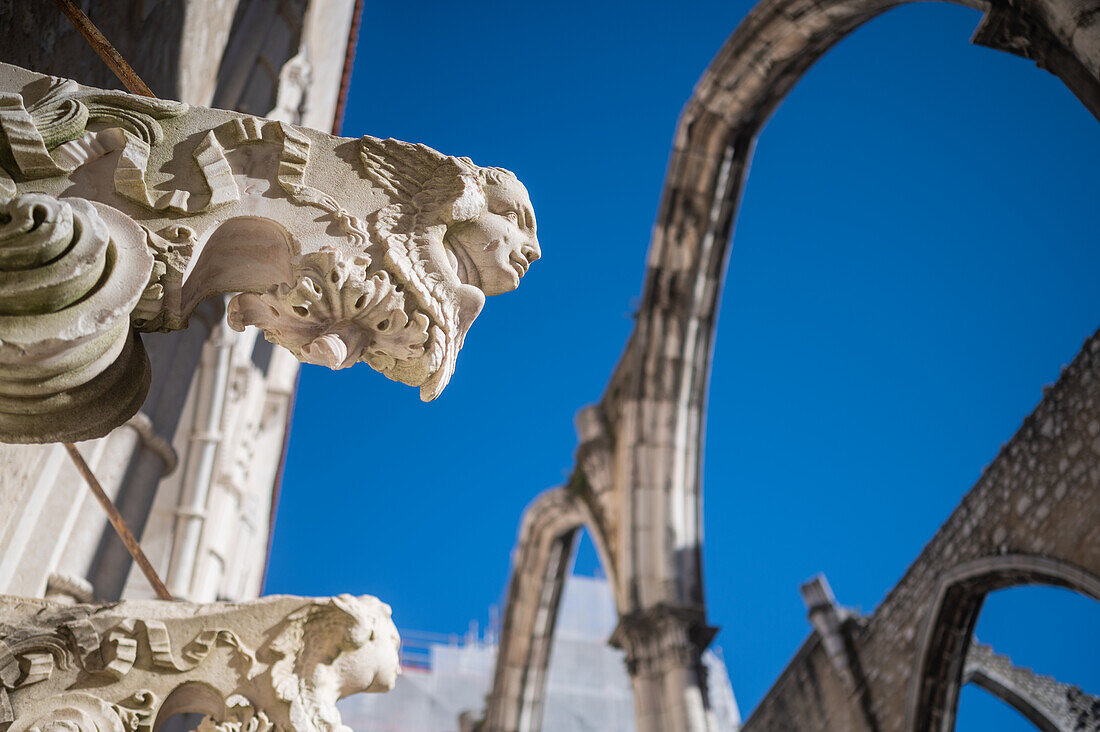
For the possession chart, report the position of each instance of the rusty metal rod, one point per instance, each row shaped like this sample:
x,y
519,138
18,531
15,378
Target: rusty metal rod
x,y
135,85
103,47
119,523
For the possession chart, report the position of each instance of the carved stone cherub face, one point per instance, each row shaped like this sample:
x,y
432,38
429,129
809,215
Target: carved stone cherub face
x,y
373,663
493,251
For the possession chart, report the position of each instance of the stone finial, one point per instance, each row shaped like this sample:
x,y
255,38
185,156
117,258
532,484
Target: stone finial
x,y
279,663
828,620
342,250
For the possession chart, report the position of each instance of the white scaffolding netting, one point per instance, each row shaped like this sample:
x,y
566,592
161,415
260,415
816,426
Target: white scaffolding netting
x,y
587,684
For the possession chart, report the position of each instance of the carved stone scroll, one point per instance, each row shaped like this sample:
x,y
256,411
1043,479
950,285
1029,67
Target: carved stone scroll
x,y
279,663
69,360
342,250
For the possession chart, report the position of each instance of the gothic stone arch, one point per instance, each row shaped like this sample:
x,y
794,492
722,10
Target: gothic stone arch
x,y
949,626
1049,704
547,536
641,482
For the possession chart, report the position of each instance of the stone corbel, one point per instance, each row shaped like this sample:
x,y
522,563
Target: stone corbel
x,y
279,663
120,214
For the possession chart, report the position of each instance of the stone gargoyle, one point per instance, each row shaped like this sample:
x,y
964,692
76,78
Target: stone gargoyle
x,y
275,664
120,214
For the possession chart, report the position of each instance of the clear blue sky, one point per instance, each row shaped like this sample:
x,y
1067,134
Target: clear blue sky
x,y
915,257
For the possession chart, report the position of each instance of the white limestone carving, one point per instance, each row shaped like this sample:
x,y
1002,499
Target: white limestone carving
x,y
279,663
71,272
342,250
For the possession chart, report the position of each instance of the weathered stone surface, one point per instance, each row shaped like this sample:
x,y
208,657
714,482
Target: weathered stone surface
x,y
343,250
1031,518
1048,703
70,275
176,46
279,663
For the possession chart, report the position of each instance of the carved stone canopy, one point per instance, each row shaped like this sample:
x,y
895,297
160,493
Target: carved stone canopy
x,y
279,663
121,214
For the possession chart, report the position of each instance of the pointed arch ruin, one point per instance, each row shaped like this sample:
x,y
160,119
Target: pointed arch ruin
x,y
639,461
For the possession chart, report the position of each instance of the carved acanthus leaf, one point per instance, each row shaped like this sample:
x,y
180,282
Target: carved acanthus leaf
x,y
64,111
335,313
61,115
240,717
171,248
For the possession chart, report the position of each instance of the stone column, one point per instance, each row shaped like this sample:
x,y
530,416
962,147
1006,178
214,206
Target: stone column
x,y
664,649
110,565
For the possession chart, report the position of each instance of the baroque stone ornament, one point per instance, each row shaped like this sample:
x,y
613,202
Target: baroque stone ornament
x,y
340,250
279,663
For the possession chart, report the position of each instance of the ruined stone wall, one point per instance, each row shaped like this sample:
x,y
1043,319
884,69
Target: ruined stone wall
x,y
1049,704
1033,517
638,466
